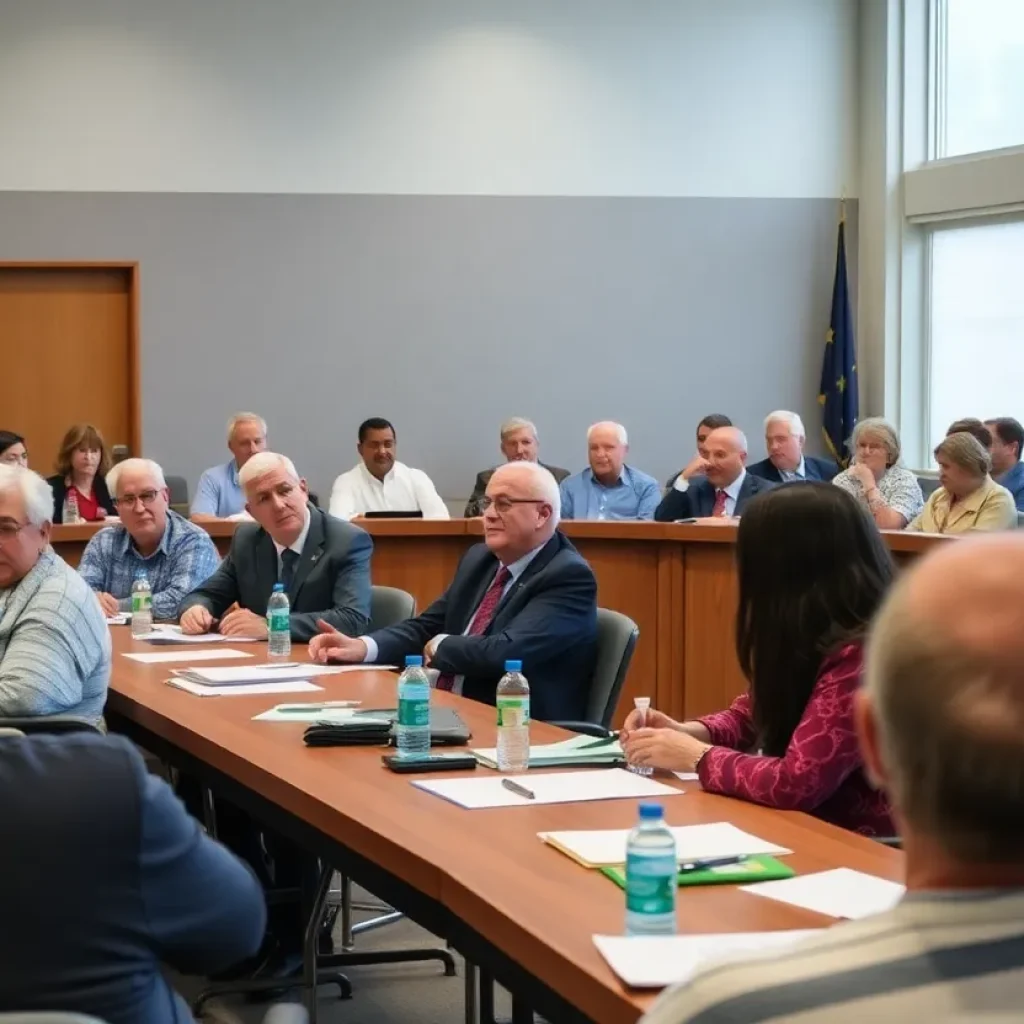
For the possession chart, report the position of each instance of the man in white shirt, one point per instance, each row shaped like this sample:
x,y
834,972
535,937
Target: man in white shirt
x,y
379,483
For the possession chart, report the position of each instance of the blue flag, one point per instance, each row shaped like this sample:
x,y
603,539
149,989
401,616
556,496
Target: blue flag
x,y
838,393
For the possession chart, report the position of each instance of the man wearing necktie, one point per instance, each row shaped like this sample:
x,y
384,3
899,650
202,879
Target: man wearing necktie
x,y
784,438
525,593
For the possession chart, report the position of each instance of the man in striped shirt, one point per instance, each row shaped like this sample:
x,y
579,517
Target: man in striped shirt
x,y
942,729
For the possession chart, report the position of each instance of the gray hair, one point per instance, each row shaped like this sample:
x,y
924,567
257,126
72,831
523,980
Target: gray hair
x,y
36,493
135,465
796,425
880,427
510,426
620,430
263,463
545,486
966,451
245,417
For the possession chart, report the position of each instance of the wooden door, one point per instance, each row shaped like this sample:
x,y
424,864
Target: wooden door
x,y
69,354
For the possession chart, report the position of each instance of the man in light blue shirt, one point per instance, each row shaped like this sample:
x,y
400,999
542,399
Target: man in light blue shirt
x,y
609,489
219,495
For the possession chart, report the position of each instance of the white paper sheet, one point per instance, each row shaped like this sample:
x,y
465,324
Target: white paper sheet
x,y
117,620
259,673
548,788
164,656
327,712
841,892
686,776
606,847
657,961
253,690
168,634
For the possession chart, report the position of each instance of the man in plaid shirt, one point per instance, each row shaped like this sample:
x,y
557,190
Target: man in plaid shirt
x,y
176,556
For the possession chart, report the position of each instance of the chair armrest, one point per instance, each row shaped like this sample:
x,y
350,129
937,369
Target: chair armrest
x,y
587,728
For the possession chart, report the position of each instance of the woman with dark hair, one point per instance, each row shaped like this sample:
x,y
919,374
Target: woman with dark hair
x,y
12,449
82,464
812,572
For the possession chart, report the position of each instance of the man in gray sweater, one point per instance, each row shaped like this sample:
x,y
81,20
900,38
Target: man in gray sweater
x,y
54,641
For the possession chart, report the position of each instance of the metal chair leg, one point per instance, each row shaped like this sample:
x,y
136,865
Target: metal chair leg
x,y
472,997
486,997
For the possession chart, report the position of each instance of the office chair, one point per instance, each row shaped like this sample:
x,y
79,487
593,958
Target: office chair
x,y
928,485
45,1017
1020,520
53,725
177,487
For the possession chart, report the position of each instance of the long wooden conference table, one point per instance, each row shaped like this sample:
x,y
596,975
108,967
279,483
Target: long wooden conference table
x,y
479,879
678,583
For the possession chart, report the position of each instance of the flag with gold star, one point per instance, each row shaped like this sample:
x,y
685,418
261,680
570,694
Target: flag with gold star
x,y
838,394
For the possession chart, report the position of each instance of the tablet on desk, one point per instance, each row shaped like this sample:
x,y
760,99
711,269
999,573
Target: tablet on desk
x,y
391,514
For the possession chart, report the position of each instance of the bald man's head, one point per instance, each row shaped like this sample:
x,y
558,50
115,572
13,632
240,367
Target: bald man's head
x,y
943,715
726,455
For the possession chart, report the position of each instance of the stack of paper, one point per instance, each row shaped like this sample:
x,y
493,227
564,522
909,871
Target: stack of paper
x,y
217,654
660,960
557,788
841,892
247,674
607,847
243,690
577,751
168,634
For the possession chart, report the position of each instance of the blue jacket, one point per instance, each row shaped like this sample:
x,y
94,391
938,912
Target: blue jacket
x,y
103,877
814,468
698,500
1013,481
548,620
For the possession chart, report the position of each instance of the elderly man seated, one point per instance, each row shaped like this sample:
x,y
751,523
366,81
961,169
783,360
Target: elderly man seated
x,y
173,554
54,641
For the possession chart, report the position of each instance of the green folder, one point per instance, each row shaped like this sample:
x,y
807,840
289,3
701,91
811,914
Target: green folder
x,y
579,751
753,869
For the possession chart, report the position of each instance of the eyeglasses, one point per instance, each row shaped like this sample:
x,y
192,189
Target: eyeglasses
x,y
146,497
9,530
503,504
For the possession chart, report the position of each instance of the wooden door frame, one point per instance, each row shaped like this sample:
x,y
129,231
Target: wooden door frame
x,y
134,361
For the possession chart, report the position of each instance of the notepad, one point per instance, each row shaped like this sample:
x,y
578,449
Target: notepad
x,y
579,751
244,690
556,788
607,847
841,892
166,656
657,961
245,674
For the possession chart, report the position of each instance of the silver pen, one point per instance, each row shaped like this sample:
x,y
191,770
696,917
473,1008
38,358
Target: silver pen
x,y
514,787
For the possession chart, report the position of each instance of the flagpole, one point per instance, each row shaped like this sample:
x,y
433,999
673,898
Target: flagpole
x,y
842,206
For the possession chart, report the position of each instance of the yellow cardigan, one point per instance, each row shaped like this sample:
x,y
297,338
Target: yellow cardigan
x,y
990,507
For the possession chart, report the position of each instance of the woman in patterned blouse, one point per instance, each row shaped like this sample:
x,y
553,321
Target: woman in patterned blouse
x,y
888,491
812,571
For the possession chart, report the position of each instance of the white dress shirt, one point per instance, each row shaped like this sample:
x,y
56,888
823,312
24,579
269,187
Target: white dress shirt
x,y
402,490
300,543
732,493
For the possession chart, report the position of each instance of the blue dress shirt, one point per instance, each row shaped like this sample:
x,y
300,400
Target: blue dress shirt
x,y
185,558
634,496
1013,481
219,493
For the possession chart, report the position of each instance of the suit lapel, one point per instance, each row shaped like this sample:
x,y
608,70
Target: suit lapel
x,y
311,552
266,563
706,501
543,557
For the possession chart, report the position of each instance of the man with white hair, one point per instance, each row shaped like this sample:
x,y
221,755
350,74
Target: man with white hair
x,y
941,726
525,594
54,641
173,554
219,494
784,438
608,488
323,562
723,492
519,443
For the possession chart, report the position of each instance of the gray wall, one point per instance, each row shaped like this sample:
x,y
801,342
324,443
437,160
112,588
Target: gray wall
x,y
448,314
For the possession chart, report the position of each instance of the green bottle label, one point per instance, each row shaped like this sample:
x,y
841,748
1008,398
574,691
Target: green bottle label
x,y
513,712
651,884
277,621
142,602
415,712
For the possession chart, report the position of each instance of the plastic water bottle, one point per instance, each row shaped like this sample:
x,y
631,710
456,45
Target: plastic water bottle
x,y
279,625
651,875
642,705
142,606
412,729
513,700
69,513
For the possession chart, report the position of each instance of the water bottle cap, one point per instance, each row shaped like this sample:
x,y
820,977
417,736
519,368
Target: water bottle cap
x,y
278,588
414,661
513,666
651,811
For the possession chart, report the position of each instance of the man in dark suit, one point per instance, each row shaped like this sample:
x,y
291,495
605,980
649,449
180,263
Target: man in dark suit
x,y
525,594
518,444
784,437
323,562
724,490
103,878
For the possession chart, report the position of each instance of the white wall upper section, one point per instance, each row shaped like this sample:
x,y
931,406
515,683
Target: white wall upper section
x,y
520,97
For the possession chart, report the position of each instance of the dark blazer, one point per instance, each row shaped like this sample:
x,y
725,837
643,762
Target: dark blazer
x,y
548,620
814,468
103,876
332,579
698,500
99,491
484,478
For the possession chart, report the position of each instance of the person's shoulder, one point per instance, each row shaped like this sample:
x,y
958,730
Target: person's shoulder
x,y
556,471
60,581
417,474
566,557
759,469
182,528
577,477
827,467
842,664
760,483
642,479
215,475
347,474
72,755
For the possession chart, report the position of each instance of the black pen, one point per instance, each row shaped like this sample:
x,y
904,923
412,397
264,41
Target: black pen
x,y
711,862
514,787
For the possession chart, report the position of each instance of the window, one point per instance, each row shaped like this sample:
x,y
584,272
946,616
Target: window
x,y
976,358
980,75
